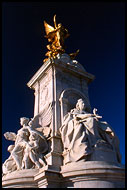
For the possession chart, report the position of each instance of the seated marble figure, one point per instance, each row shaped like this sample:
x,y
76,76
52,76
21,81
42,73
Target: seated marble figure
x,y
81,132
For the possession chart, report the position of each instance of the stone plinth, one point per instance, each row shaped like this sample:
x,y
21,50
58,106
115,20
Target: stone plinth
x,y
90,174
48,177
20,179
93,174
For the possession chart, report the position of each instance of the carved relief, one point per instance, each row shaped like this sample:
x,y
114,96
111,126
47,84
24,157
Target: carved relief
x,y
43,95
45,91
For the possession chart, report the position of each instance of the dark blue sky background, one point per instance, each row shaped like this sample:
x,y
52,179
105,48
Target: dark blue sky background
x,y
97,29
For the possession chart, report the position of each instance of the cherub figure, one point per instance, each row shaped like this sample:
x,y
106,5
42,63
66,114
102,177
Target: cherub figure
x,y
32,152
36,146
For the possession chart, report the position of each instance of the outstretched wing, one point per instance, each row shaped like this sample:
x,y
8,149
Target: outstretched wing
x,y
10,136
46,118
48,28
35,121
46,115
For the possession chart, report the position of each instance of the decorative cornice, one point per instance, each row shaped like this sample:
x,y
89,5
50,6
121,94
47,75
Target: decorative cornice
x,y
64,67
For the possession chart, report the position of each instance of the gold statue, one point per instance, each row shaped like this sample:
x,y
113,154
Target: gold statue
x,y
56,35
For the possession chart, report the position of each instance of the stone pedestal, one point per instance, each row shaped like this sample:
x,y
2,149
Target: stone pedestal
x,y
48,177
90,174
93,174
20,179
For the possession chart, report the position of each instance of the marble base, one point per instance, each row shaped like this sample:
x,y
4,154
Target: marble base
x,y
20,179
90,174
48,177
93,174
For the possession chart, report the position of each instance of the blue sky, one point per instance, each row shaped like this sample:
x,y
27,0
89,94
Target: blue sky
x,y
97,29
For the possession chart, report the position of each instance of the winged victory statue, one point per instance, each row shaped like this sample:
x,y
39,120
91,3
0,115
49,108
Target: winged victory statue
x,y
56,35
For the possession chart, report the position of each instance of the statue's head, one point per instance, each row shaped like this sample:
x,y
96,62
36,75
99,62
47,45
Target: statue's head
x,y
24,120
80,105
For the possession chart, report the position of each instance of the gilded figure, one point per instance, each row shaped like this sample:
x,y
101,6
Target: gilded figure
x,y
56,36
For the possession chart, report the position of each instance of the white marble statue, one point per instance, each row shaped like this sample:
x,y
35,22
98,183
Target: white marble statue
x,y
29,148
20,142
9,165
82,131
32,152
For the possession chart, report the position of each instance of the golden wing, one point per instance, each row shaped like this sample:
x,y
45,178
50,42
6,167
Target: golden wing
x,y
48,28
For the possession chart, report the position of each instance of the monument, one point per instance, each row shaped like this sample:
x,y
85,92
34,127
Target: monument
x,y
65,144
